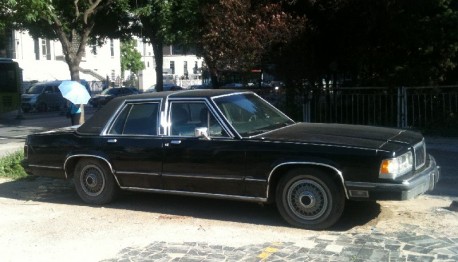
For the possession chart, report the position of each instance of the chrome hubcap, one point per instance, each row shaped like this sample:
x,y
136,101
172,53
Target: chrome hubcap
x,y
307,199
92,180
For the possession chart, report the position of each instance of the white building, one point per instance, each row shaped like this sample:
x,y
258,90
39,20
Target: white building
x,y
178,67
42,59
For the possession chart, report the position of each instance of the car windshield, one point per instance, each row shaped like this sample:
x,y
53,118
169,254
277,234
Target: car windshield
x,y
36,89
110,91
250,115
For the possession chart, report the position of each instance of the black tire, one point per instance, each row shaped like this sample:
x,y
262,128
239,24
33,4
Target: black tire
x,y
310,198
94,182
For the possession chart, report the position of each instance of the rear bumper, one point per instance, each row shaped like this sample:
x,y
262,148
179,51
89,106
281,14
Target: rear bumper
x,y
422,182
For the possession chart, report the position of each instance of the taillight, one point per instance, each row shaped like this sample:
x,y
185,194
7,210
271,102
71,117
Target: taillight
x,y
26,152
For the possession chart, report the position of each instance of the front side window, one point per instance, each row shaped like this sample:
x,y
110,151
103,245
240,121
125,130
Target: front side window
x,y
250,115
137,119
186,117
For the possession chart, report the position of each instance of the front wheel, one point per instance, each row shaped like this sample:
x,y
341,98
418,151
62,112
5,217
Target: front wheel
x,y
310,198
94,182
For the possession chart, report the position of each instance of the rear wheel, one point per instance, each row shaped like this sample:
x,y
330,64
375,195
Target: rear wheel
x,y
94,182
309,198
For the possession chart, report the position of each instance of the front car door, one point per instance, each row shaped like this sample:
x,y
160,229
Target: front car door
x,y
203,165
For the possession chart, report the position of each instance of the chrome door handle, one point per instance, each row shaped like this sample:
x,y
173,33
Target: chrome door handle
x,y
114,140
175,142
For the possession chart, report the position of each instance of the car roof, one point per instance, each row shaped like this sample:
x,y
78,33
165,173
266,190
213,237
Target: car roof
x,y
99,120
201,93
54,82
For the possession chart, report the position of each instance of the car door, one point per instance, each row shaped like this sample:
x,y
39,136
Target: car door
x,y
134,147
213,165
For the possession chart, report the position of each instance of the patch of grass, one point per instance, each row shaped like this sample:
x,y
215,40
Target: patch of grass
x,y
10,166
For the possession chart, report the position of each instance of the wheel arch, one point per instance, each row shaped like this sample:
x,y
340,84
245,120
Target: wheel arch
x,y
72,160
281,169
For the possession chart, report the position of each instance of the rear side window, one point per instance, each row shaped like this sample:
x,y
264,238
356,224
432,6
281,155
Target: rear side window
x,y
137,119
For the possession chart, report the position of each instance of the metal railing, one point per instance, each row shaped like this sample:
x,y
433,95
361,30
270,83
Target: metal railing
x,y
404,107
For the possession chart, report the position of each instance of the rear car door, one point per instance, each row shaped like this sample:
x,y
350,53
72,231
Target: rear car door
x,y
197,164
134,146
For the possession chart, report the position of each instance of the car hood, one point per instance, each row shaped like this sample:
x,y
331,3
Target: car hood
x,y
346,135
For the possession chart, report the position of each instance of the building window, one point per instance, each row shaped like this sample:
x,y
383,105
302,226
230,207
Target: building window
x,y
113,75
172,67
43,47
194,70
36,46
185,70
112,47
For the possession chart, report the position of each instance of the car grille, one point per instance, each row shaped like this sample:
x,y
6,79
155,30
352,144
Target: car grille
x,y
420,155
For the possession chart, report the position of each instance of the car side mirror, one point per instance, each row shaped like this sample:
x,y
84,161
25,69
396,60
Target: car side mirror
x,y
202,132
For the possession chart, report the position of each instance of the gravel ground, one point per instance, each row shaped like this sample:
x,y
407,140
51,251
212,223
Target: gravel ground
x,y
43,219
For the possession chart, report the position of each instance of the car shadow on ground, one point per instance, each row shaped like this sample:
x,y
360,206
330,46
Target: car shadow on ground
x,y
40,189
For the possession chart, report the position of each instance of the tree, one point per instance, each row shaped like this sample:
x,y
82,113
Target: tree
x,y
73,23
243,41
154,17
377,42
131,59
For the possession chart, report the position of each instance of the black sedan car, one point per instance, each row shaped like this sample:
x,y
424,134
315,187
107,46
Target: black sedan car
x,y
110,93
232,145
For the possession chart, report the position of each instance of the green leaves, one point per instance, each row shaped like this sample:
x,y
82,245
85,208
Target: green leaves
x,y
130,57
10,166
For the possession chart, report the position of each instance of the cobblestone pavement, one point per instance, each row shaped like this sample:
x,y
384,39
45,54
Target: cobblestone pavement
x,y
375,246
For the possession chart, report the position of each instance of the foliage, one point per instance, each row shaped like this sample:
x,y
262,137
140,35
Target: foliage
x,y
361,43
153,19
241,42
131,59
10,166
72,22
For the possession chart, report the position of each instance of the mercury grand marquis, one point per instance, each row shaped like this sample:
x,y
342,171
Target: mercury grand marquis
x,y
232,145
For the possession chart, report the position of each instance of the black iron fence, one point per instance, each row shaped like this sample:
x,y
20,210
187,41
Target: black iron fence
x,y
404,107
425,108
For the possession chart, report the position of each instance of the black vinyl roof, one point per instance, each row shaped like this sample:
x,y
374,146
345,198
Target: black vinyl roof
x,y
99,120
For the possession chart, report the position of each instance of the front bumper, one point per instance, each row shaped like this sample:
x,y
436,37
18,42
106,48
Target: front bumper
x,y
422,182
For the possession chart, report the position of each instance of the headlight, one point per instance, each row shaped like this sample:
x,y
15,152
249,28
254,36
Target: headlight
x,y
394,167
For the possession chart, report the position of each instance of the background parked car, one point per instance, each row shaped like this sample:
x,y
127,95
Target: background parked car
x,y
203,86
110,93
166,87
42,97
233,86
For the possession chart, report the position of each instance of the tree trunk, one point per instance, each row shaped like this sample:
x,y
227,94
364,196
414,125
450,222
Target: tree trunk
x,y
213,72
159,59
74,51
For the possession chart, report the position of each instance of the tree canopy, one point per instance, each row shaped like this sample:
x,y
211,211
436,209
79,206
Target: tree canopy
x,y
344,42
237,35
131,59
361,43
